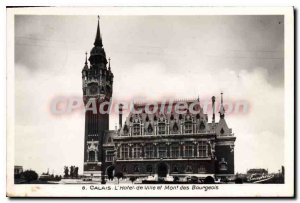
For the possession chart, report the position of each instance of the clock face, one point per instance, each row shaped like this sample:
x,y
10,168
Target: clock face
x,y
93,89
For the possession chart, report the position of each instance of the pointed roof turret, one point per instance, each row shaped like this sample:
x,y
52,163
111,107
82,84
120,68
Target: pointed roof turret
x,y
109,64
85,63
98,39
222,109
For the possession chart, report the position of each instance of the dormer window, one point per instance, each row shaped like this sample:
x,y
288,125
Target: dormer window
x,y
175,128
136,129
188,128
125,130
161,128
150,129
202,126
222,131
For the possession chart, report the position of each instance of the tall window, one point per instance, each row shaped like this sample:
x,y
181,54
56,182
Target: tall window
x,y
149,130
124,152
188,128
109,156
175,128
161,128
203,149
174,151
189,150
92,156
162,151
149,151
136,129
136,151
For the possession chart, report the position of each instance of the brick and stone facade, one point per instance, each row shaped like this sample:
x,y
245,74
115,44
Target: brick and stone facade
x,y
162,143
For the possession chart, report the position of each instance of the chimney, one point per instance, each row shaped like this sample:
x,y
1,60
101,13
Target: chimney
x,y
213,99
120,115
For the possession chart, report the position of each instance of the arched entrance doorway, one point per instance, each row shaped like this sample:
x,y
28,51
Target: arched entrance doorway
x,y
110,171
162,170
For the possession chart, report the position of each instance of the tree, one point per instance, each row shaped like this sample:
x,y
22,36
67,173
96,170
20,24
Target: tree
x,y
238,181
209,180
119,175
72,171
76,172
66,172
30,175
132,179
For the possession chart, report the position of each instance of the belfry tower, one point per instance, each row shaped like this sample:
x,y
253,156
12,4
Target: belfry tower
x,y
97,86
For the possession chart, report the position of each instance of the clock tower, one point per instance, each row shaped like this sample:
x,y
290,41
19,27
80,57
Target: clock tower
x,y
97,86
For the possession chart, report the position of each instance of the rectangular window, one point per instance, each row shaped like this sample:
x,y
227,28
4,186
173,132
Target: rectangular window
x,y
174,151
161,128
189,150
203,149
136,151
136,129
109,156
188,127
162,151
149,151
124,152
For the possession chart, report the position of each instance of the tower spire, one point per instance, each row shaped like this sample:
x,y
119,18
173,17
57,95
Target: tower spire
x,y
109,63
85,63
222,110
98,39
222,98
85,58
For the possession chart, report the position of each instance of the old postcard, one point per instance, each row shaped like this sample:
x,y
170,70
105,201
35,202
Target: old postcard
x,y
150,102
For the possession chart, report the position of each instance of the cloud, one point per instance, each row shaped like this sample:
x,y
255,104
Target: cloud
x,y
149,62
41,137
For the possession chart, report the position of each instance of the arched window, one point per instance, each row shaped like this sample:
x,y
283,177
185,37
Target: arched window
x,y
175,169
136,129
161,128
188,169
136,169
92,156
149,168
202,126
175,128
222,131
125,130
150,129
124,169
188,127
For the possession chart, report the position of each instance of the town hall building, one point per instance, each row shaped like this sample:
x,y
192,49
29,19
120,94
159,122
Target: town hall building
x,y
164,143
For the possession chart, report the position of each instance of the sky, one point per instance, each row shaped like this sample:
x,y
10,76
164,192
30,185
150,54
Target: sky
x,y
152,57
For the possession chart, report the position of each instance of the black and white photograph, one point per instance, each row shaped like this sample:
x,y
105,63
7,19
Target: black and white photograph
x,y
150,102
